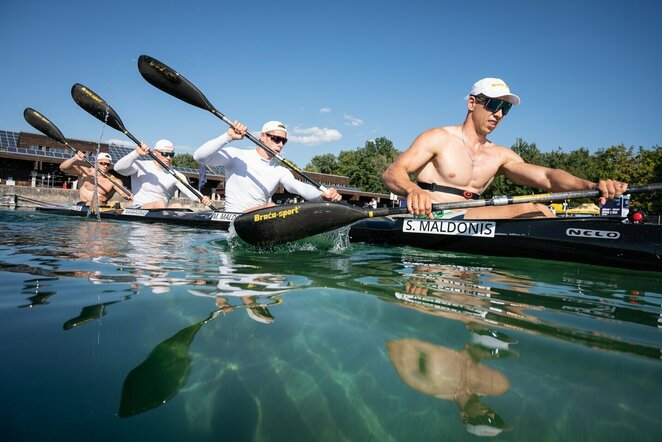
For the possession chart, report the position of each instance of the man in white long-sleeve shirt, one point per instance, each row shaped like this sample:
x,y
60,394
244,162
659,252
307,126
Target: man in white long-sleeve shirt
x,y
253,176
152,186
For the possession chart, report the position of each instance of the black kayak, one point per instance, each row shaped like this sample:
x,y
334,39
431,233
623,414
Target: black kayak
x,y
215,219
594,240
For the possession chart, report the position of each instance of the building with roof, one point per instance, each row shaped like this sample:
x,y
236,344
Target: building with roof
x,y
33,160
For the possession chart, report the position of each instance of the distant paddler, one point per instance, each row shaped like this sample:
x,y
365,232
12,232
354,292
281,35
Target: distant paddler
x,y
106,184
153,187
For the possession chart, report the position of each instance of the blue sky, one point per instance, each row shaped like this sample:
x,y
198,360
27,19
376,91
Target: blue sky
x,y
339,72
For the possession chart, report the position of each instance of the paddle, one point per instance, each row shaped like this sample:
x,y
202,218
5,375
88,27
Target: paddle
x,y
171,82
97,107
45,126
290,222
159,377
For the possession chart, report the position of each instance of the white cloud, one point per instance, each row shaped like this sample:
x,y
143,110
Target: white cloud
x,y
325,110
314,135
351,121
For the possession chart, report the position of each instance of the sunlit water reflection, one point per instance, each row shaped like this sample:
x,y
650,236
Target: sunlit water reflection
x,y
120,331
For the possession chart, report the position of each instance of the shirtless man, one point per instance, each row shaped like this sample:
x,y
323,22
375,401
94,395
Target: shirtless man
x,y
253,176
105,187
453,163
152,185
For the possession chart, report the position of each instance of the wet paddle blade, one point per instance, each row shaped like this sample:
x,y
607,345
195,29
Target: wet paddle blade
x,y
171,82
159,377
96,106
290,222
43,125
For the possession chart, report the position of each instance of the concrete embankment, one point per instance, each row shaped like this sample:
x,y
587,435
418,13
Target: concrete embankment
x,y
20,196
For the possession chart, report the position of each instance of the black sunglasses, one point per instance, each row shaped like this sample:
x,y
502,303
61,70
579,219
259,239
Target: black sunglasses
x,y
276,139
167,154
494,104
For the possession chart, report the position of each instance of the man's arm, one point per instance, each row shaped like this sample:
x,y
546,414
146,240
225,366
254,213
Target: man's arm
x,y
70,165
186,191
126,165
207,153
558,180
308,191
396,177
116,182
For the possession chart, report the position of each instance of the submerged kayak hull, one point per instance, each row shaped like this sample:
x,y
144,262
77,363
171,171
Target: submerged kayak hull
x,y
593,240
216,220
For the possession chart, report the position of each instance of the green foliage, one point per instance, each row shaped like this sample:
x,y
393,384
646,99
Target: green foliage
x,y
364,166
184,160
326,163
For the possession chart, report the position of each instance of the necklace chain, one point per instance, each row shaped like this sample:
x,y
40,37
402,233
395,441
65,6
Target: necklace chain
x,y
473,160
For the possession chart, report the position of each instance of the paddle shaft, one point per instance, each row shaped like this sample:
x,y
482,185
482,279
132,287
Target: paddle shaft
x,y
168,80
46,126
291,222
97,107
505,200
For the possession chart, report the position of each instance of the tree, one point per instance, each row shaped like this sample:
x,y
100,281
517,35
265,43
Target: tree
x,y
326,163
184,160
649,166
365,165
618,162
502,185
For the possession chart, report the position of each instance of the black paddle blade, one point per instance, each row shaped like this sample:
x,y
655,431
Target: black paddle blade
x,y
290,222
96,106
171,82
43,125
159,377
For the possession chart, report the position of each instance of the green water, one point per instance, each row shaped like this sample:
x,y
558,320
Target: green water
x,y
125,331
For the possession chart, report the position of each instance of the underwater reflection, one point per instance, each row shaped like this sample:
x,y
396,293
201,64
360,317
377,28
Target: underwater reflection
x,y
574,311
255,292
457,376
39,289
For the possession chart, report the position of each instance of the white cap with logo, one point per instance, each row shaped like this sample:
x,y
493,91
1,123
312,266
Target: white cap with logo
x,y
273,125
104,156
164,146
494,88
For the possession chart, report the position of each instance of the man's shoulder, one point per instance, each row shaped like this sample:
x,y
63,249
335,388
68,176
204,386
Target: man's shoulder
x,y
435,136
498,148
441,131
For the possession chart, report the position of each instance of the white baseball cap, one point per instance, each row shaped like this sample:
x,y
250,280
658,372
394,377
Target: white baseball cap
x,y
164,146
493,88
273,125
104,156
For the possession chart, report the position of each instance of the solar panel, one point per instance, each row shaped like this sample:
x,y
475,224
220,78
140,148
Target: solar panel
x,y
8,139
